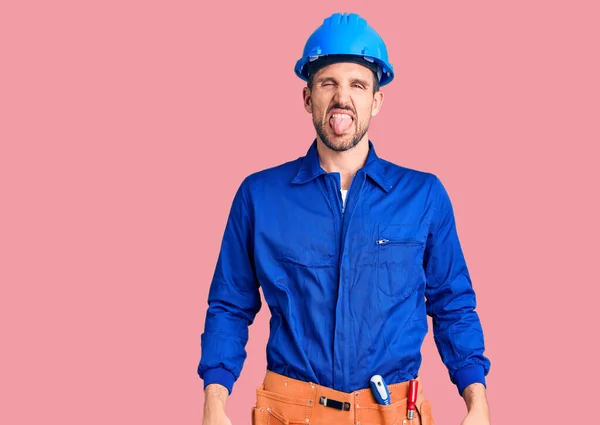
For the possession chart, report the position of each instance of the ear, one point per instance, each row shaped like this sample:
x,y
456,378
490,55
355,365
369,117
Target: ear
x,y
377,103
307,100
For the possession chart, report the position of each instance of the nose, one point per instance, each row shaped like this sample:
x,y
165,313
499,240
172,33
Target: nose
x,y
342,95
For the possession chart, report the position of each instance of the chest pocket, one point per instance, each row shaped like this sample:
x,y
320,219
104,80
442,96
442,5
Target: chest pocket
x,y
400,249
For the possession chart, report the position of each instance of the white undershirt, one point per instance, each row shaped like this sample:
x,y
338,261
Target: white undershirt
x,y
344,192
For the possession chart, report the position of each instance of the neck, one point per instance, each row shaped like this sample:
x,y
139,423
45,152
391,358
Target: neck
x,y
346,163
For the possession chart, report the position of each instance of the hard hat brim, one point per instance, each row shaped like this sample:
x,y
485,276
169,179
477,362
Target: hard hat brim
x,y
304,66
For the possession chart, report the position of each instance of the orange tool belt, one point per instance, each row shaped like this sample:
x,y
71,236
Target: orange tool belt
x,y
281,401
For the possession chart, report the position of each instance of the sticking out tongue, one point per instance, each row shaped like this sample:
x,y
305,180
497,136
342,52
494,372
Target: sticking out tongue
x,y
340,123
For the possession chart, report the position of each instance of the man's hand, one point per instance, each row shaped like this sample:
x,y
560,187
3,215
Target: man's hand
x,y
477,405
214,405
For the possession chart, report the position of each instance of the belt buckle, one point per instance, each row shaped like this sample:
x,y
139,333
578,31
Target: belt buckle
x,y
335,404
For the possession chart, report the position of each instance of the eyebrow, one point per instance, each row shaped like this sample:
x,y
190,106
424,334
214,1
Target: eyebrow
x,y
324,79
360,81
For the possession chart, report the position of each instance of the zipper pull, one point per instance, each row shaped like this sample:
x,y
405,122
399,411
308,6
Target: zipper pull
x,y
382,241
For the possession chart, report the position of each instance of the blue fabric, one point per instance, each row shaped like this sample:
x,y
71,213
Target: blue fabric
x,y
349,293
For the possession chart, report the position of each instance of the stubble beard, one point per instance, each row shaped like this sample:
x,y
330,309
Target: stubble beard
x,y
341,146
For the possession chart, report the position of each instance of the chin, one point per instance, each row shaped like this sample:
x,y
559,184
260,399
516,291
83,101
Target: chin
x,y
339,143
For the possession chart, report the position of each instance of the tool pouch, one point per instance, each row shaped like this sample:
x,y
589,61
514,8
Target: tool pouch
x,y
395,413
425,412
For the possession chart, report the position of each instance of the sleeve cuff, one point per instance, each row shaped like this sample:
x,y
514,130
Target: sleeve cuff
x,y
218,375
469,375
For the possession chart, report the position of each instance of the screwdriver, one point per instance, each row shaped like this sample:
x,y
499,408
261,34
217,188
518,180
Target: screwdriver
x,y
380,390
413,386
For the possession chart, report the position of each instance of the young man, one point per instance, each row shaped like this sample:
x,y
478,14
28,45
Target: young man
x,y
352,253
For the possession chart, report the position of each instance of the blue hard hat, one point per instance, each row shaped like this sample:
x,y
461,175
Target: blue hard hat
x,y
346,34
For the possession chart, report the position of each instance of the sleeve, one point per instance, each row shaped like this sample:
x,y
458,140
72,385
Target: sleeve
x,y
233,299
450,298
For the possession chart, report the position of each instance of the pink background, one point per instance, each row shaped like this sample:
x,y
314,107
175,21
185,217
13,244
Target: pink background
x,y
126,126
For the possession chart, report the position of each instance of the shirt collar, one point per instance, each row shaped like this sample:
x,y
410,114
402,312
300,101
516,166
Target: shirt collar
x,y
310,167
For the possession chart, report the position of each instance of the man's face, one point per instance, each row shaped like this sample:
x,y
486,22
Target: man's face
x,y
342,103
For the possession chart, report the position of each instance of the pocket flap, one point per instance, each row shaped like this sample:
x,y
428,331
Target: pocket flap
x,y
402,233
